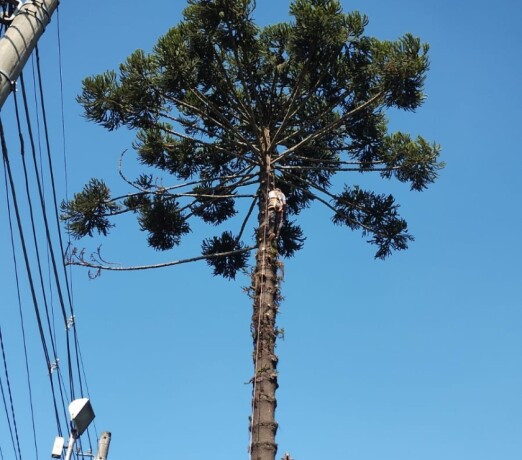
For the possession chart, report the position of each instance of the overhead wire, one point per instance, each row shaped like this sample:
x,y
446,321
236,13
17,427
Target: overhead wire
x,y
53,366
64,141
8,383
8,418
32,218
69,279
47,227
27,264
74,357
21,315
71,322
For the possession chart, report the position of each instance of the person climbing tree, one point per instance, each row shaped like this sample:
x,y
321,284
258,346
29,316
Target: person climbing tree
x,y
276,212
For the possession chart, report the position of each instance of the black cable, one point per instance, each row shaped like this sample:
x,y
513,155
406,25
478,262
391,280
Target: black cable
x,y
22,323
10,396
68,284
51,171
47,230
7,417
55,200
33,225
62,108
7,166
50,251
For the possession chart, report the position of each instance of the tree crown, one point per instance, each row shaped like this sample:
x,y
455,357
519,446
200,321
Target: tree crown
x,y
231,110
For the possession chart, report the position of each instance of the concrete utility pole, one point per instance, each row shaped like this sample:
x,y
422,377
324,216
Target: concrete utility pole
x,y
103,446
20,39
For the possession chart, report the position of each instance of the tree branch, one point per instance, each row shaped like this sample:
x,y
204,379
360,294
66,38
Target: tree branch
x,y
321,132
245,220
73,257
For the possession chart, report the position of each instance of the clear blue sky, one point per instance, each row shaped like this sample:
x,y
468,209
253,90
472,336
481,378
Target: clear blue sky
x,y
417,357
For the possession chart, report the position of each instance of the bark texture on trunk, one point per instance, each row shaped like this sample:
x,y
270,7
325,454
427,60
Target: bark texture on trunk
x,y
266,294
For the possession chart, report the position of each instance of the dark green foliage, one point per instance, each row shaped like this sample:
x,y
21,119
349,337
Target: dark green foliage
x,y
89,210
372,214
229,110
291,239
163,221
213,205
227,265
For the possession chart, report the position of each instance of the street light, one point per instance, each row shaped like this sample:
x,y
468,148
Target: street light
x,y
82,415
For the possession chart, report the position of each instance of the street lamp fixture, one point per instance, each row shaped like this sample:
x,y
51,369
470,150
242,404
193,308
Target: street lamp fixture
x,y
82,415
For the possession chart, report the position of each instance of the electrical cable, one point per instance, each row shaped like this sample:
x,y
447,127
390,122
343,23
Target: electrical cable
x,y
51,253
64,139
8,418
47,231
9,173
33,225
73,344
20,312
10,396
72,323
57,217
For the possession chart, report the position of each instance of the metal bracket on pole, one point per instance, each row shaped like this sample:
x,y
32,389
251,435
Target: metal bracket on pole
x,y
8,78
9,11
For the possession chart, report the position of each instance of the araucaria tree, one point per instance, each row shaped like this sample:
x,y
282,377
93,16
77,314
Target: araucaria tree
x,y
230,111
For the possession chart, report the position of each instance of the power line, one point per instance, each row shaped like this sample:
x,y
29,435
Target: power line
x,y
33,226
9,173
8,382
24,341
71,323
46,331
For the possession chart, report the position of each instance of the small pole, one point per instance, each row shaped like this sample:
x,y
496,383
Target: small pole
x,y
103,446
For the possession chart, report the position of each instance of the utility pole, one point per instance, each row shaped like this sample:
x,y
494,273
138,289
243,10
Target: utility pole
x,y
20,39
103,446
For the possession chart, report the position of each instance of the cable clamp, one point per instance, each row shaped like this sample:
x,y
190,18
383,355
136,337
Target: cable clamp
x,y
54,366
40,4
70,322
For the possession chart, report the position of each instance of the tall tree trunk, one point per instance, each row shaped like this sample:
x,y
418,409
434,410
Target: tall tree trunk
x,y
265,288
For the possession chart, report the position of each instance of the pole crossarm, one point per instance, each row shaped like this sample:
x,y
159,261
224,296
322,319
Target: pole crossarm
x,y
20,39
